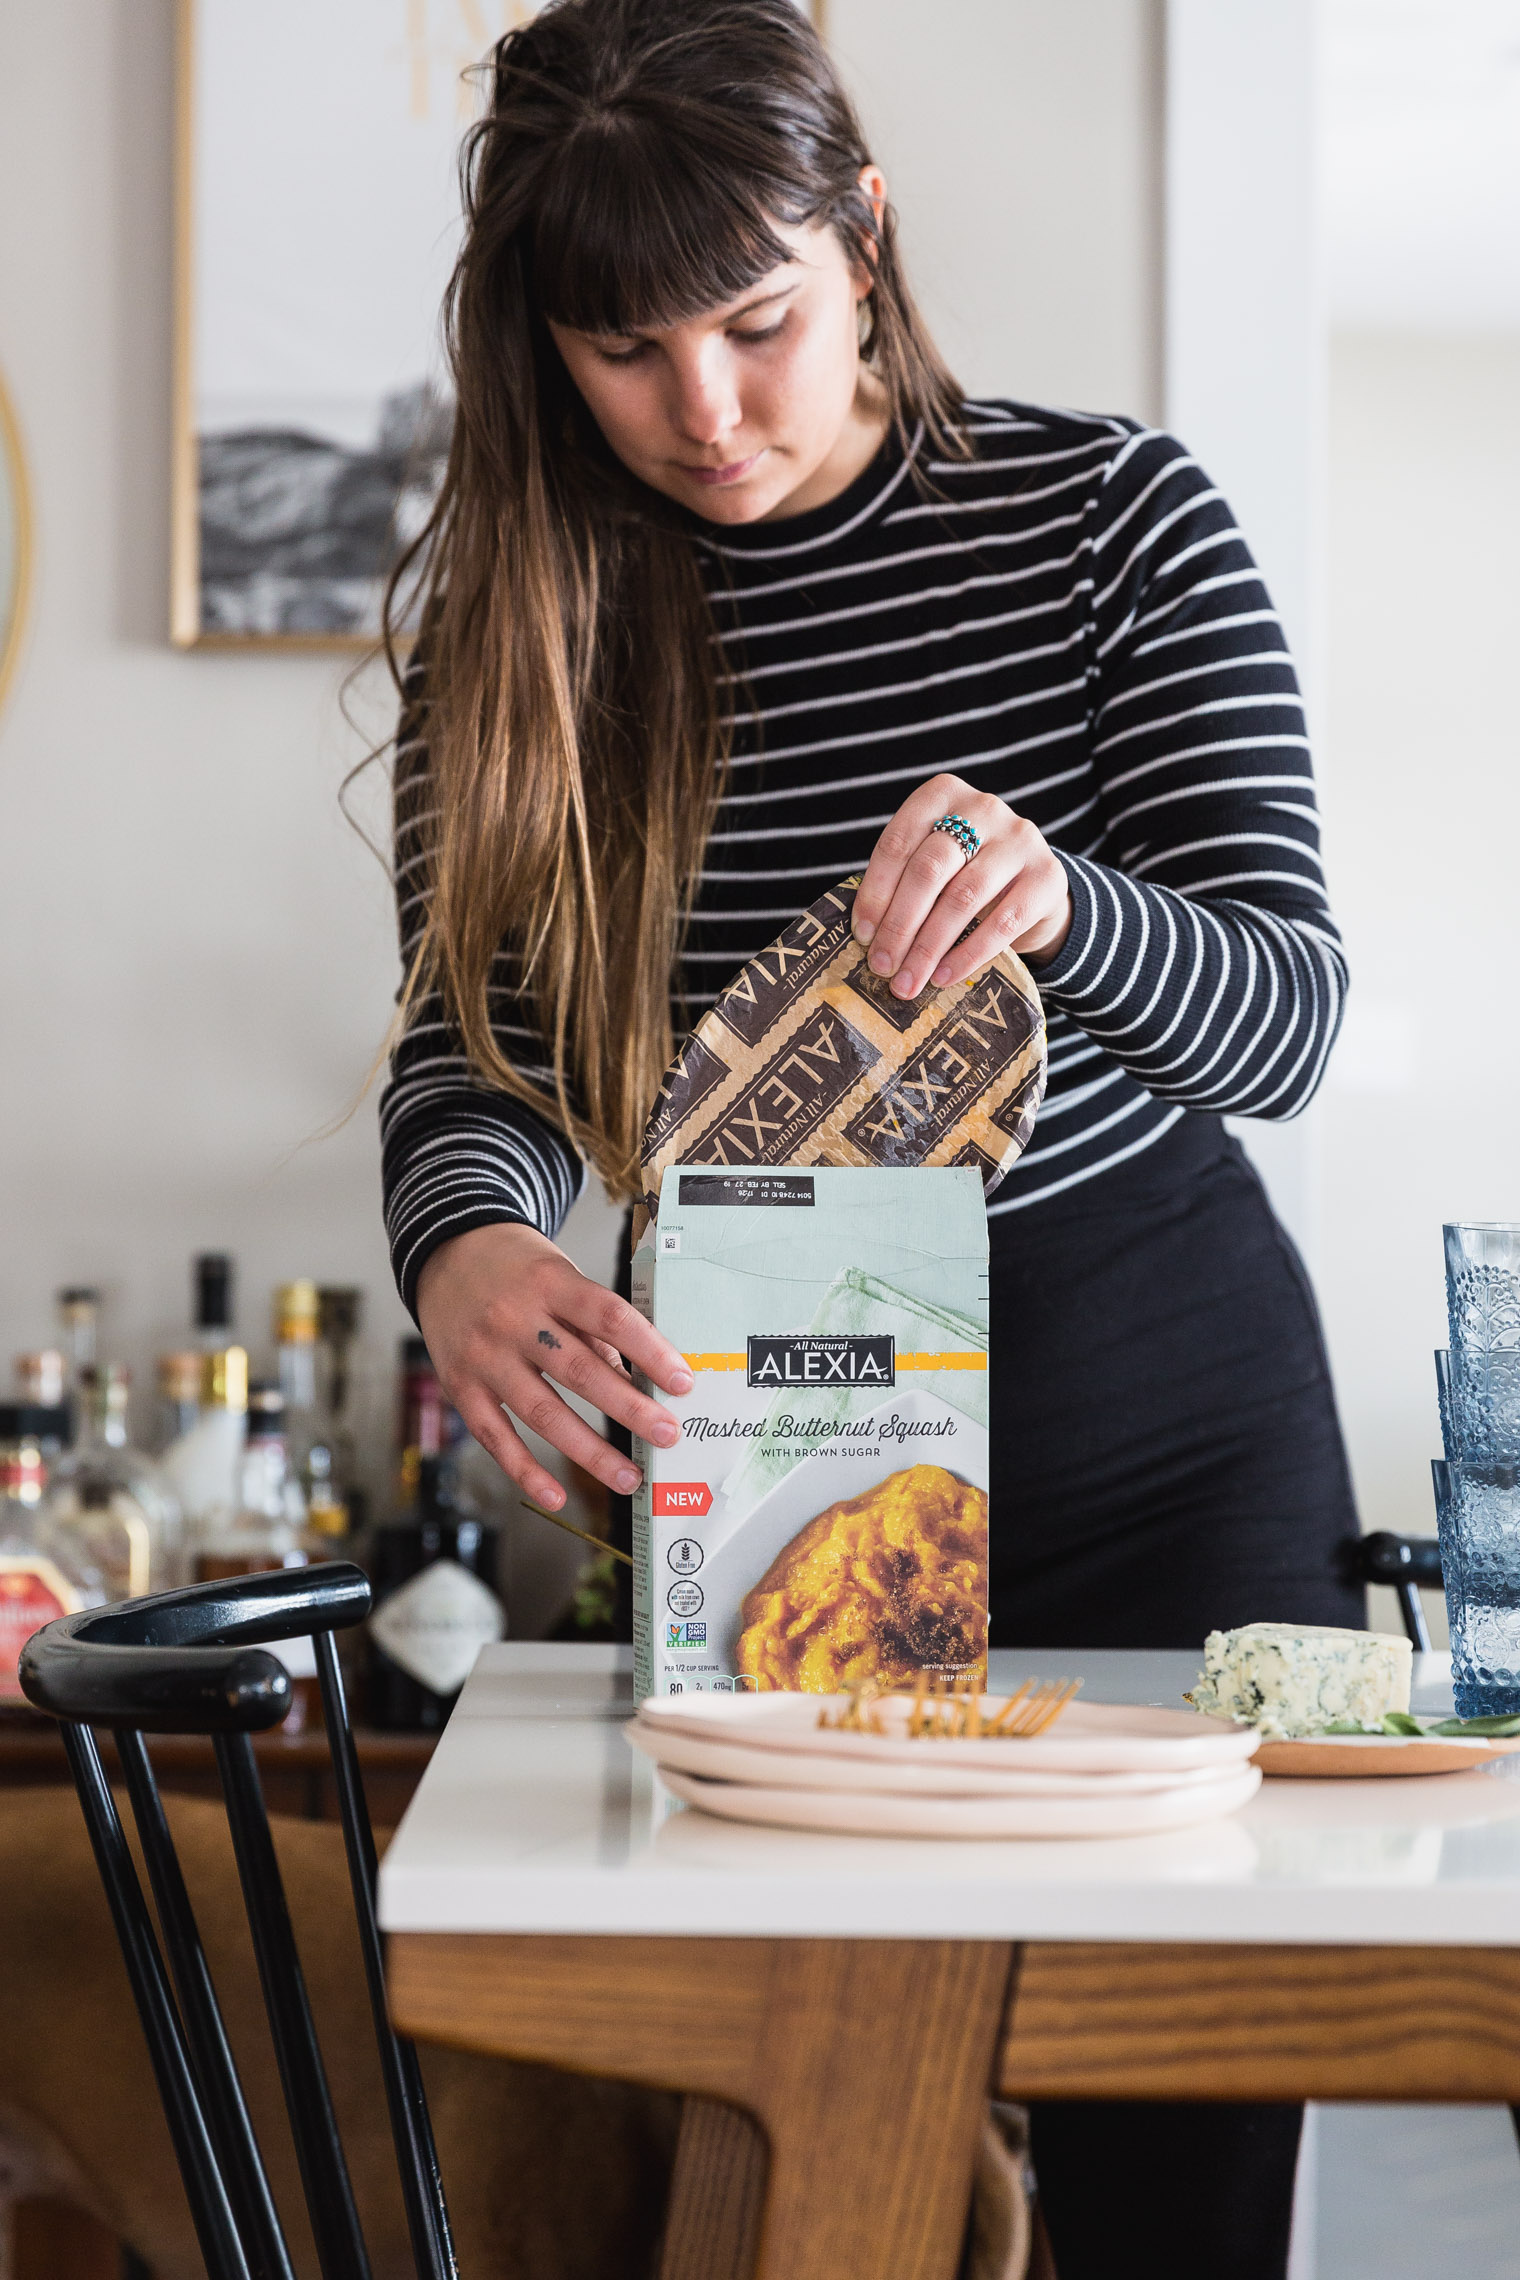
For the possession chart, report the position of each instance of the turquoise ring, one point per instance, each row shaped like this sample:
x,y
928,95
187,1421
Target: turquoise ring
x,y
966,836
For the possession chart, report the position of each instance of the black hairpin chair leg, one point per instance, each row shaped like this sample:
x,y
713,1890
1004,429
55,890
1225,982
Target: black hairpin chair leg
x,y
215,2225
227,2113
421,2181
1416,1630
324,2172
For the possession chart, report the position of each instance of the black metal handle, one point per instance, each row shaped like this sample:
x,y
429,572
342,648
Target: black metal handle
x,y
188,1662
1404,1563
1386,1558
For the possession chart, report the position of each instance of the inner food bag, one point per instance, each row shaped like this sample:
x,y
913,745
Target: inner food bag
x,y
808,1058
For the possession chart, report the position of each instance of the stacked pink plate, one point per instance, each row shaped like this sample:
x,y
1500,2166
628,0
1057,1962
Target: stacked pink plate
x,y
1102,1770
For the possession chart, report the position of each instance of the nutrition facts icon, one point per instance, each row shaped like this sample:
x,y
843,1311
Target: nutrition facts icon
x,y
684,1599
685,1556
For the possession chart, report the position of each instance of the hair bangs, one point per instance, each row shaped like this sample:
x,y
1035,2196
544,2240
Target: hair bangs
x,y
635,231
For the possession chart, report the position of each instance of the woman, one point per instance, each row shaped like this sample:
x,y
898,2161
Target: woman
x,y
731,592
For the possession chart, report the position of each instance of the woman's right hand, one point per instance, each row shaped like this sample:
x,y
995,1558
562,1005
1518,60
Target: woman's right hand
x,y
508,1318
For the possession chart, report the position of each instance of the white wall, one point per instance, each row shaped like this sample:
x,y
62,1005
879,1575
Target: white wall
x,y
1245,355
1244,315
197,953
1022,145
1421,1118
196,950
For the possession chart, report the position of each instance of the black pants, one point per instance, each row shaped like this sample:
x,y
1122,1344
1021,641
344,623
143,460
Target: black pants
x,y
1166,1461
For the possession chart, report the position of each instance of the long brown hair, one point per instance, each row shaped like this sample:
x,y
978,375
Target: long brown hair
x,y
627,174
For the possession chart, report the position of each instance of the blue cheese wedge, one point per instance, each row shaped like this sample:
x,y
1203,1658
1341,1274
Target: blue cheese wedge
x,y
1290,1679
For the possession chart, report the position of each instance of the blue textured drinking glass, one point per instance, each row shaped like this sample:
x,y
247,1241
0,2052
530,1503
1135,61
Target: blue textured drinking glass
x,y
1478,1526
1449,1440
1483,1288
1480,1415
1479,1405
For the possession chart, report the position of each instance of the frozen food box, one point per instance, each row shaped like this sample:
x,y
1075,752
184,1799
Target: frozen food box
x,y
822,1520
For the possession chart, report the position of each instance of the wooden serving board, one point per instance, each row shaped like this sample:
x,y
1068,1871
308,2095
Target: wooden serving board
x,y
1368,1757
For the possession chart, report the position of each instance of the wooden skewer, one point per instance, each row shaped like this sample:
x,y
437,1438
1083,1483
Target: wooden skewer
x,y
1043,1707
950,1709
1068,1693
999,1724
571,1529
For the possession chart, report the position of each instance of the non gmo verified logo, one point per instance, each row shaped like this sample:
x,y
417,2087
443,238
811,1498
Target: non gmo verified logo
x,y
780,1362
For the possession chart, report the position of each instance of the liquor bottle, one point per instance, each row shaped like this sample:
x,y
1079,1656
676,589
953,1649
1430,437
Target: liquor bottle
x,y
308,1430
40,1384
212,1281
430,1425
203,1466
432,1571
340,1312
264,1527
110,1502
266,1530
40,1378
40,1577
179,1395
433,1566
79,1315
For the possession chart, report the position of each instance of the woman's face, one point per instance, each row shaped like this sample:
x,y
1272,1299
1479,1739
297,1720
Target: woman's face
x,y
758,408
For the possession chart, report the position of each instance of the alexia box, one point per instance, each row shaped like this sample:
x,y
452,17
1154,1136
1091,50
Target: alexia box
x,y
822,1520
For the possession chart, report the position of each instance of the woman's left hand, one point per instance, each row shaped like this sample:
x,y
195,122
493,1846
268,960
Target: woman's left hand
x,y
920,893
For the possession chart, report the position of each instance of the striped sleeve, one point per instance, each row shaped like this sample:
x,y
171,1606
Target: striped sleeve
x,y
1202,955
454,1154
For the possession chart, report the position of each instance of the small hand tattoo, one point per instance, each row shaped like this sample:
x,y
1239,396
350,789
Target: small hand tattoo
x,y
547,1338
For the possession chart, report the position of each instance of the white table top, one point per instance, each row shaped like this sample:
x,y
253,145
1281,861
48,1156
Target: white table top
x,y
535,1815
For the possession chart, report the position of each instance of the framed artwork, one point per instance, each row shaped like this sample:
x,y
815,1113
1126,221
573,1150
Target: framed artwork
x,y
317,216
15,542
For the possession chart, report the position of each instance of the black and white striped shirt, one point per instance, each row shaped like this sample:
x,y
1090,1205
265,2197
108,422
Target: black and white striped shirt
x,y
1070,621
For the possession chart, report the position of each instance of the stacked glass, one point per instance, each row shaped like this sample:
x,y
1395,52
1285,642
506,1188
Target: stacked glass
x,y
1477,1484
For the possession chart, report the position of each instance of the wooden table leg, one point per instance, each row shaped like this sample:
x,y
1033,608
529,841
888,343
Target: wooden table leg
x,y
866,2062
717,2195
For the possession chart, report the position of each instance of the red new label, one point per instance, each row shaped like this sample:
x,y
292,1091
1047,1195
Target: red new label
x,y
29,1597
689,1498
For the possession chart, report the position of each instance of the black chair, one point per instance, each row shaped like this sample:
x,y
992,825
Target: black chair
x,y
190,1662
1406,1564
